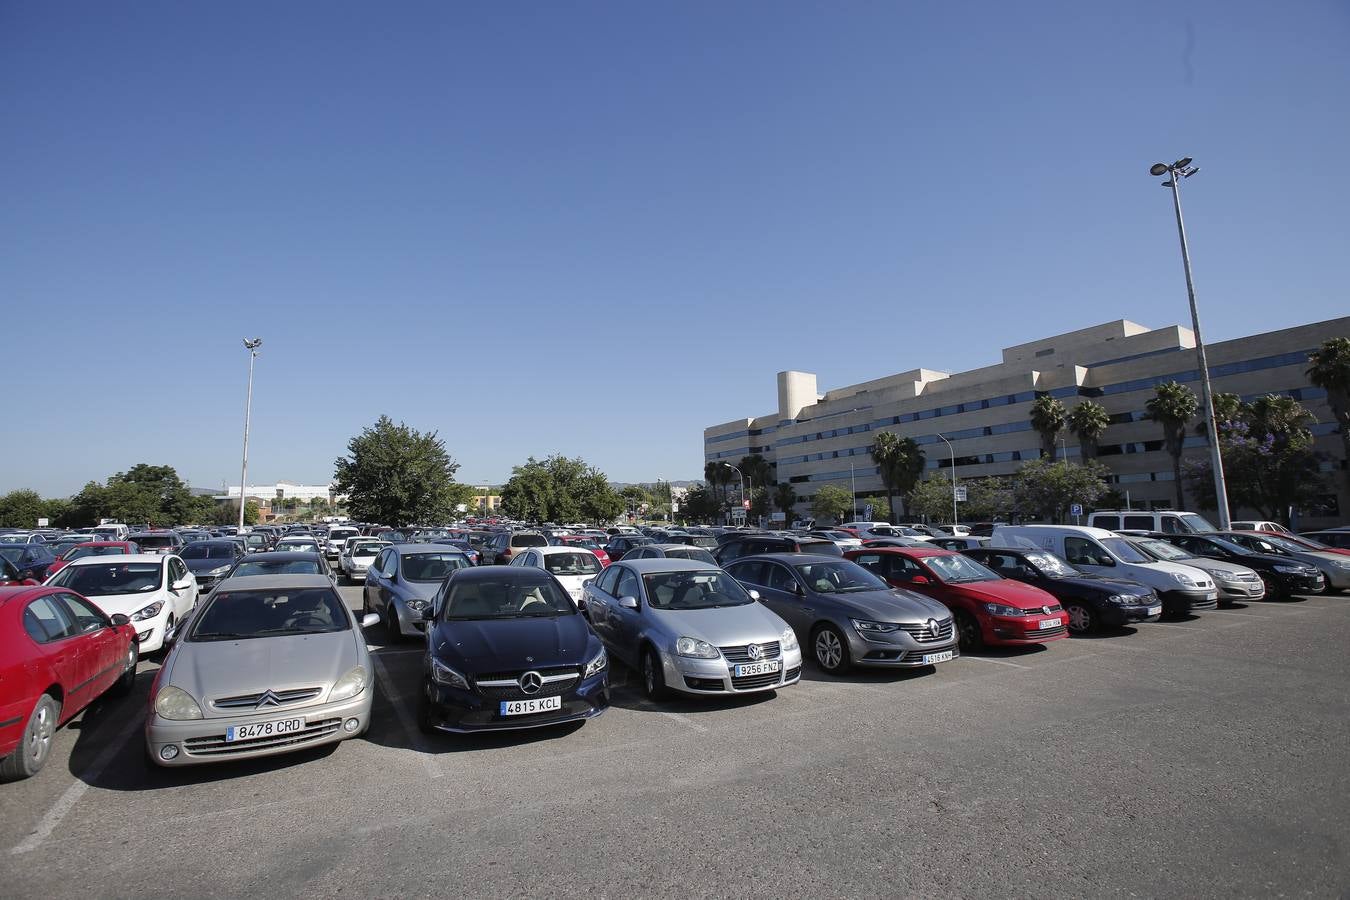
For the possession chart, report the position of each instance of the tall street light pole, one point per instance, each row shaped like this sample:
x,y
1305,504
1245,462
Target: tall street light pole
x,y
738,472
1182,168
953,452
252,347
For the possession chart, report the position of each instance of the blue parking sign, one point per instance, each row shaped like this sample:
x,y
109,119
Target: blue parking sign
x,y
1076,509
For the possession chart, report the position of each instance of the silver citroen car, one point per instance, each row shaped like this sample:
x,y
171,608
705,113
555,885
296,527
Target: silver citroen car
x,y
266,665
687,626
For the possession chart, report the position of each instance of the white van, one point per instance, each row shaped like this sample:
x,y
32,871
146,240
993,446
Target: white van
x,y
1183,589
112,532
1168,521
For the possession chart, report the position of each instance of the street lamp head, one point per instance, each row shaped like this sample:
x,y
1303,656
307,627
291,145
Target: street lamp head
x,y
1157,169
1191,171
1167,183
1182,163
253,344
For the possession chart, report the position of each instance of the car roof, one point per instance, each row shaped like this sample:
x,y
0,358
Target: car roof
x,y
794,558
529,574
665,564
273,582
269,555
119,560
21,592
904,551
413,549
685,547
551,549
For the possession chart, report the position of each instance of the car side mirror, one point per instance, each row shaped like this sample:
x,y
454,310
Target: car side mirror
x,y
1105,561
182,584
919,579
120,619
429,614
628,602
798,590
370,619
754,595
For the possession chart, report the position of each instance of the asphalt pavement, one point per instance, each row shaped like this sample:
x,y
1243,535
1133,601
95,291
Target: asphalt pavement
x,y
1199,758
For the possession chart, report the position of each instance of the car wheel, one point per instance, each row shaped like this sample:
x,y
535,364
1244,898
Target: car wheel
x,y
424,712
36,743
831,650
365,603
968,629
124,684
653,682
391,625
1081,620
170,627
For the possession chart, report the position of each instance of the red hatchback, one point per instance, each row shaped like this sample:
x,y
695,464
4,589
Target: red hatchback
x,y
590,543
92,548
58,653
989,609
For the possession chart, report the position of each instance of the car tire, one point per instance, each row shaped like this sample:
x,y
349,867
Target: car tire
x,y
829,648
1082,620
123,685
653,681
424,712
35,746
970,637
394,633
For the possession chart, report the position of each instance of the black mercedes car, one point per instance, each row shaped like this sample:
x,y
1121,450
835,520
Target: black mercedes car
x,y
1090,601
507,649
1284,576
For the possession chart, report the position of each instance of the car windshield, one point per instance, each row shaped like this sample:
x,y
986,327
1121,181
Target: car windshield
x,y
366,549
842,577
1124,550
13,538
581,563
1051,566
528,540
1164,550
1195,523
102,579
696,589
507,599
277,567
958,569
432,566
156,541
240,615
1304,542
302,546
1229,546
1286,545
77,552
201,550
697,554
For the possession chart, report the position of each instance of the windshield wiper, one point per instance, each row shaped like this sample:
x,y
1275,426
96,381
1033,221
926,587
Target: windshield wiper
x,y
219,636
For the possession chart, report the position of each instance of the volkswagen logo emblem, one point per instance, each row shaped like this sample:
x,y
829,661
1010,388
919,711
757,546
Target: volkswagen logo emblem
x,y
753,651
933,627
1046,610
530,682
267,699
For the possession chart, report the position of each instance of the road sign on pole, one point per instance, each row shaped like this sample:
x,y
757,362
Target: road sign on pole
x,y
746,504
960,493
1076,510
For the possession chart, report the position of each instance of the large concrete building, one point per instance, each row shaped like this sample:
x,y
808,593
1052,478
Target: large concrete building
x,y
814,439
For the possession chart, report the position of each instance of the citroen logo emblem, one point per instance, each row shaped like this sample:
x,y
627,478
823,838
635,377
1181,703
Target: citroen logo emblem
x,y
267,699
530,682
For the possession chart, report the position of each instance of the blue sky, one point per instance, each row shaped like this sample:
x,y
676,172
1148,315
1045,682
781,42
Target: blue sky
x,y
596,228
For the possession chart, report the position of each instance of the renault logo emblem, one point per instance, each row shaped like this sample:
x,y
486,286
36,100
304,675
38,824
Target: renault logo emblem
x,y
933,627
753,651
530,682
267,699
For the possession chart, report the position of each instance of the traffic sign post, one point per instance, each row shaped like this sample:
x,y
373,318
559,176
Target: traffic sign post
x,y
960,493
1076,510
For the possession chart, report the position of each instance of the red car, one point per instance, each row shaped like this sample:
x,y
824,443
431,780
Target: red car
x,y
989,609
92,548
58,653
590,543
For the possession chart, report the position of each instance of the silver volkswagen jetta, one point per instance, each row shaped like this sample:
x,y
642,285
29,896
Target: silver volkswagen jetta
x,y
689,627
268,664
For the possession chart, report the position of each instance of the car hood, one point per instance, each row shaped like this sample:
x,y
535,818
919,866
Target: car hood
x,y
1218,566
504,645
888,606
723,626
1097,583
211,669
1007,592
417,590
126,604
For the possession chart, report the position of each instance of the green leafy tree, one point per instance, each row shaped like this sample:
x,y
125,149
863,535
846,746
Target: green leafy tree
x,y
832,503
558,489
931,499
784,497
900,463
1172,406
396,475
1330,370
1048,417
759,473
700,504
1045,488
881,507
21,509
987,499
1088,421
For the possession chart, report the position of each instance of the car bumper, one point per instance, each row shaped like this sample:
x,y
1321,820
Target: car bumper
x,y
13,718
202,741
150,634
1241,590
464,712
410,623
1285,583
205,583
1008,631
1337,578
1119,616
1180,602
714,676
899,654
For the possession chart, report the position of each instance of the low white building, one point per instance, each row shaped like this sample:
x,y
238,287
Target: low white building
x,y
283,490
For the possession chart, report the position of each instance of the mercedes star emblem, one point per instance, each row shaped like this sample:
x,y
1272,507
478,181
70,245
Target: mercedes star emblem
x,y
530,682
753,651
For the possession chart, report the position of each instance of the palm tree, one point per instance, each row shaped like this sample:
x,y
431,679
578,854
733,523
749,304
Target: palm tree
x,y
1088,420
900,463
1048,417
1172,406
1330,371
783,498
714,473
758,471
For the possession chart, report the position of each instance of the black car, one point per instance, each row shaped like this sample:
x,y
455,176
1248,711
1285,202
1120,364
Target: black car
x,y
209,561
1332,537
1283,576
30,560
1092,602
756,544
622,543
707,542
508,649
280,562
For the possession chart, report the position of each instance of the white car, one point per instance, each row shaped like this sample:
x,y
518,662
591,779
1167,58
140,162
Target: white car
x,y
155,591
357,556
878,532
337,538
572,566
304,544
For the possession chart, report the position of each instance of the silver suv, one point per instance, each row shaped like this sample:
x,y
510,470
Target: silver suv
x,y
846,616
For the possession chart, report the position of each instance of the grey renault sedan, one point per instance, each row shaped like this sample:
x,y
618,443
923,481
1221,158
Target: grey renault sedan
x,y
401,582
847,615
266,665
688,626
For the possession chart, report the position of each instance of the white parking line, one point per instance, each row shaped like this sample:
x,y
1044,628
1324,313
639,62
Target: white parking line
x,y
1241,615
678,717
997,662
409,730
72,794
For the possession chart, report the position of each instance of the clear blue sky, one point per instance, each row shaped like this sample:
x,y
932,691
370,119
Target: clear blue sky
x,y
596,228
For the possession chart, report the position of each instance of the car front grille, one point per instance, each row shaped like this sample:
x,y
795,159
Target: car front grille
x,y
793,673
215,744
750,682
738,653
1046,632
704,684
281,698
568,675
923,635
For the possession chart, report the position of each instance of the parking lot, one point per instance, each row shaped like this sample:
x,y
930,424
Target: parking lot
x,y
1204,757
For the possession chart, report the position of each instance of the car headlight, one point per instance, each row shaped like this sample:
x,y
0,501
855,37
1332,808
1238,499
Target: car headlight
x,y
1120,599
416,605
176,703
147,612
872,631
219,570
687,646
1183,578
443,674
998,609
1291,570
1341,564
788,639
349,685
596,665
